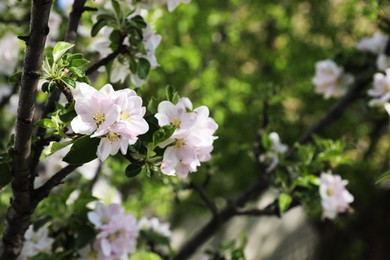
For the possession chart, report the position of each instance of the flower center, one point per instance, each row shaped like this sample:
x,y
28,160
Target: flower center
x,y
125,116
179,143
112,136
329,191
99,118
176,122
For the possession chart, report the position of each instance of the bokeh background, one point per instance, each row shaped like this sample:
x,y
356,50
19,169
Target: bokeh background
x,y
231,56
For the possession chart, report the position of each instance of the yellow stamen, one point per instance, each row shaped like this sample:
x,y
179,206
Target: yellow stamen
x,y
125,116
329,192
99,118
112,136
176,122
179,143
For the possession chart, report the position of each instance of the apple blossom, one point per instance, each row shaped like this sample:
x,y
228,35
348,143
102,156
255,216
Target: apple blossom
x,y
383,62
191,142
381,89
375,44
276,149
35,242
102,214
154,225
114,116
117,232
335,198
330,79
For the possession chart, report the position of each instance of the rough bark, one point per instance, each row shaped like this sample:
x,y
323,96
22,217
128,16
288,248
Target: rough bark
x,y
20,210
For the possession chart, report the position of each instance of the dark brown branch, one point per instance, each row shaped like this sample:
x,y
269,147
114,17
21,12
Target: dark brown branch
x,y
42,192
268,211
210,204
74,20
208,230
21,208
65,90
121,48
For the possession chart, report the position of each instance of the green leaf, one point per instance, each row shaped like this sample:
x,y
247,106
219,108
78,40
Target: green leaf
x,y
383,177
69,82
98,26
54,147
15,78
117,9
163,134
79,62
133,65
77,71
170,92
5,174
82,151
46,123
132,170
153,105
60,49
284,202
85,235
143,68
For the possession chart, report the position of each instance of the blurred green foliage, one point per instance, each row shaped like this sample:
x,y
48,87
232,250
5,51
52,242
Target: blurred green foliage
x,y
234,56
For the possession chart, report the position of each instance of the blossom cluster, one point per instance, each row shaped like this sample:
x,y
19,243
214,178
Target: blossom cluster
x,y
376,45
192,140
154,225
114,116
117,231
36,242
330,79
335,198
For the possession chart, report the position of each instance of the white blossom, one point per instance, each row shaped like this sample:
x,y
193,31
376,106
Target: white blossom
x,y
330,79
335,198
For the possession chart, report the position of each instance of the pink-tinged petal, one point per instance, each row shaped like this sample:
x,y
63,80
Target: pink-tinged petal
x,y
124,145
106,247
108,90
186,102
168,109
84,107
94,219
82,127
104,149
85,89
182,170
162,119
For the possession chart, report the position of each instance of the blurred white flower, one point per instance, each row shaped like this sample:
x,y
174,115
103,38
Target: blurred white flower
x,y
36,242
335,198
375,44
330,79
380,92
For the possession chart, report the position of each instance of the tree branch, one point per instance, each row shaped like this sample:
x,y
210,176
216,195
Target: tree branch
x,y
121,48
208,230
20,210
210,204
42,192
74,20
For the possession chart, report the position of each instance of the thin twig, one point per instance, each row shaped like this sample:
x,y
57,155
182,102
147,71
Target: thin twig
x,y
42,192
210,204
104,61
